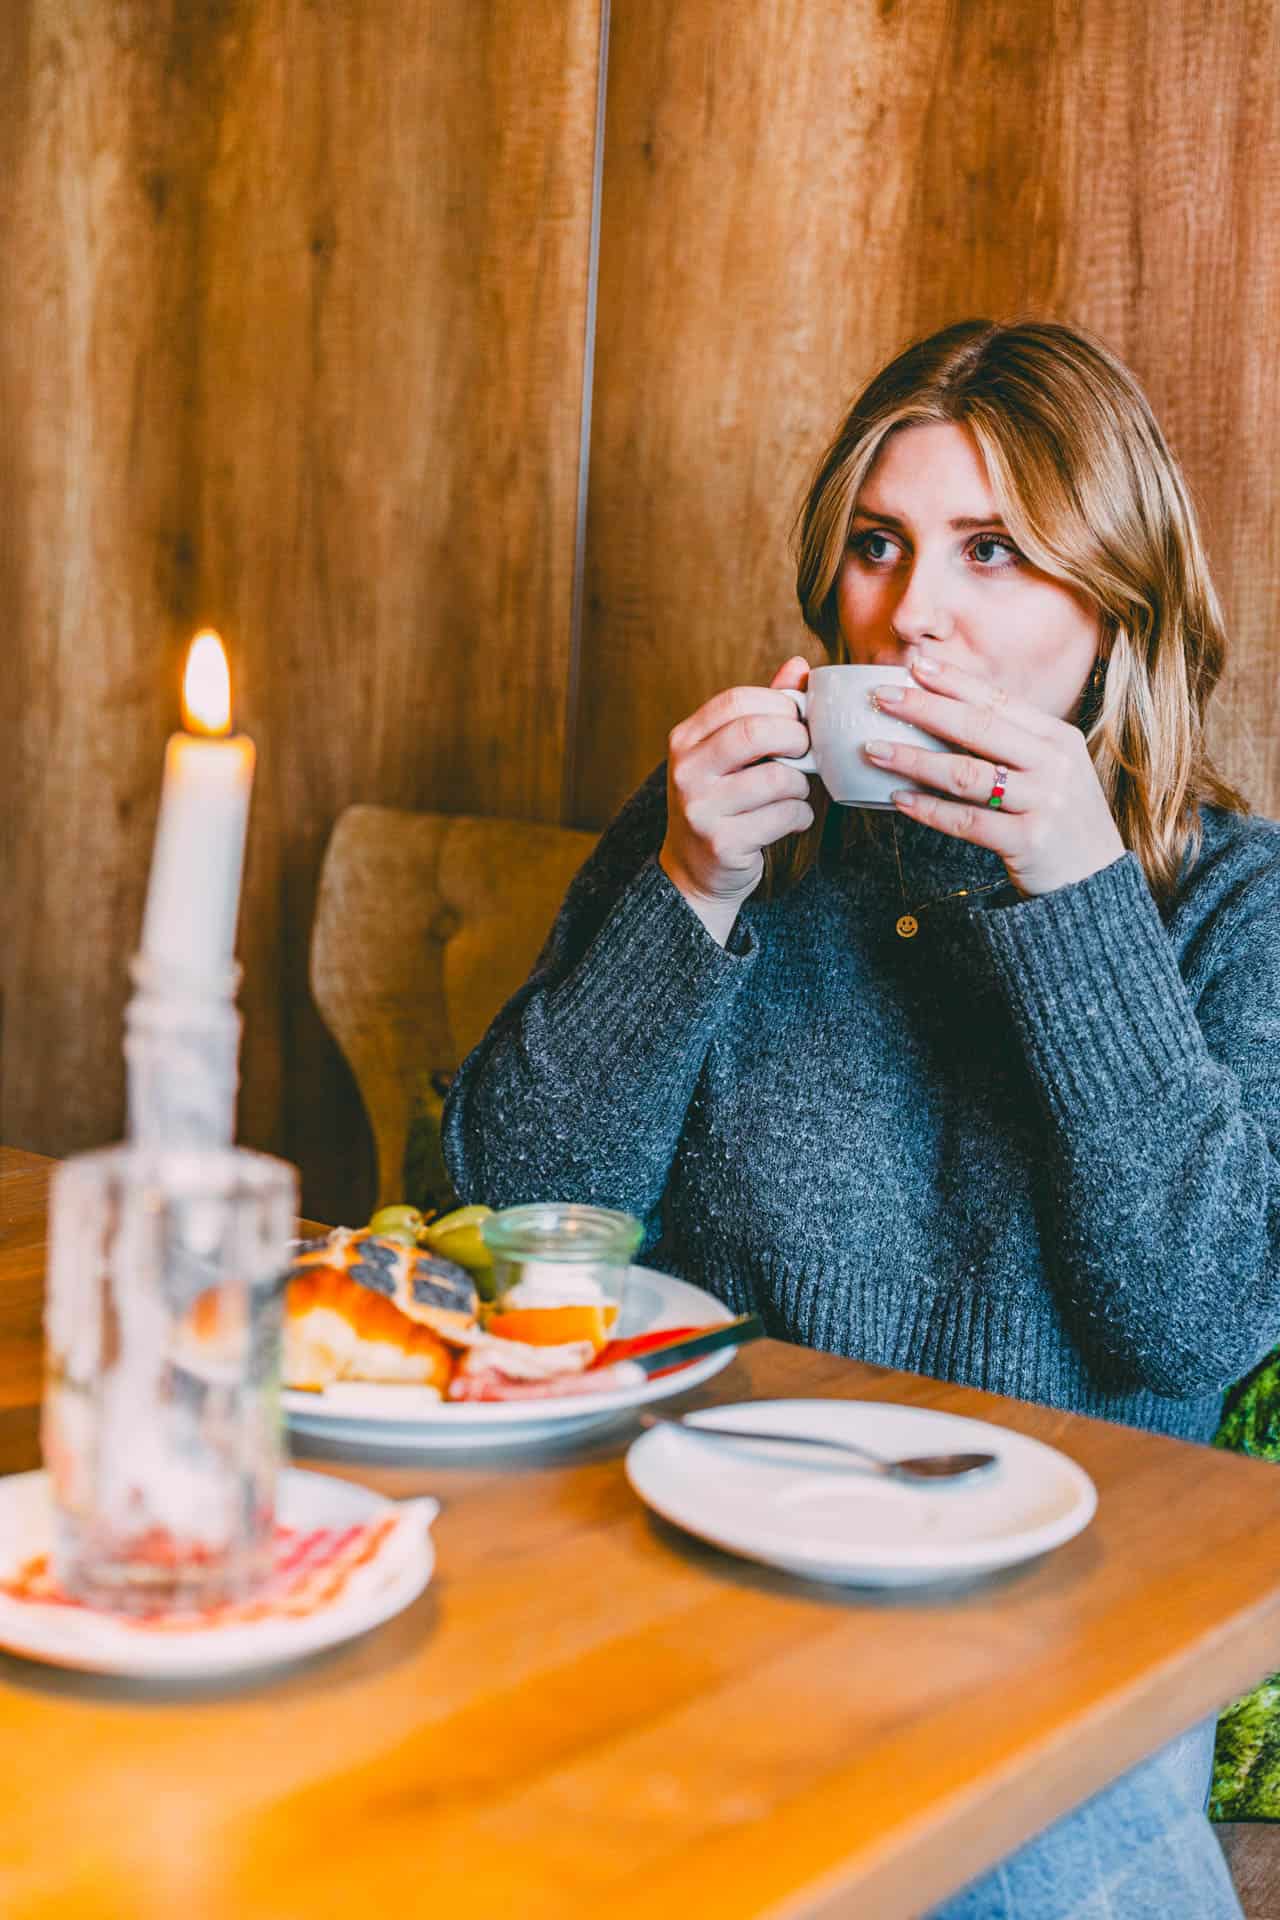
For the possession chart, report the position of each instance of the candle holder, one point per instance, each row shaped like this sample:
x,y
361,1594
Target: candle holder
x,y
182,1052
163,1322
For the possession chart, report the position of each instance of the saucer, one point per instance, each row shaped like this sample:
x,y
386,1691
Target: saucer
x,y
346,1560
839,1522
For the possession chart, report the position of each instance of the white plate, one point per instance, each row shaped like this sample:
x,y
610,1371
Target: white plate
x,y
106,1643
408,1417
857,1528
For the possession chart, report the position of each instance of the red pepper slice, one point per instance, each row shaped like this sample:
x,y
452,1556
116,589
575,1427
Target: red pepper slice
x,y
643,1343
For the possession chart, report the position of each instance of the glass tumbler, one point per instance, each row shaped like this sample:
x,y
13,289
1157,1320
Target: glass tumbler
x,y
163,1332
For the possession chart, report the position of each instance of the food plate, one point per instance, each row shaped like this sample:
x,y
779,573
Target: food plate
x,y
404,1418
363,1559
840,1523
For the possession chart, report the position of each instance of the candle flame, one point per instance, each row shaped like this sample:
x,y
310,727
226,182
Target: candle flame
x,y
206,687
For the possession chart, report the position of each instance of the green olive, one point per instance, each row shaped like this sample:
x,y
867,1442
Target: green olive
x,y
457,1236
397,1221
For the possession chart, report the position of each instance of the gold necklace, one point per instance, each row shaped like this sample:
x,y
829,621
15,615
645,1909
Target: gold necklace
x,y
907,925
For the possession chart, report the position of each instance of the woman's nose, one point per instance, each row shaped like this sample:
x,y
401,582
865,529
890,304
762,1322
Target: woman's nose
x,y
922,612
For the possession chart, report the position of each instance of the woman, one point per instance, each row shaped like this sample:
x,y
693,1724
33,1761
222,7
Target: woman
x,y
1036,1145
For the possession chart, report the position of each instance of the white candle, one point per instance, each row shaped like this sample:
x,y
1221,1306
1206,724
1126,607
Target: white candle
x,y
193,896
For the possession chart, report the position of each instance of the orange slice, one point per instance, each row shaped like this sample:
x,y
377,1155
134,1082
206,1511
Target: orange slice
x,y
553,1326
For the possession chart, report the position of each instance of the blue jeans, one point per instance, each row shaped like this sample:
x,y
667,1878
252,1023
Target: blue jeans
x,y
1142,1849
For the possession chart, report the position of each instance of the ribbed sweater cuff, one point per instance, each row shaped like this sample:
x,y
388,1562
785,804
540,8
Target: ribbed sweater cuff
x,y
1102,1009
652,969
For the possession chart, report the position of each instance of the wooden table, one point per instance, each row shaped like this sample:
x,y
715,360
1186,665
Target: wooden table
x,y
588,1713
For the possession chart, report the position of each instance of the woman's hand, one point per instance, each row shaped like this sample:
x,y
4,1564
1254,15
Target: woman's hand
x,y
727,799
1053,825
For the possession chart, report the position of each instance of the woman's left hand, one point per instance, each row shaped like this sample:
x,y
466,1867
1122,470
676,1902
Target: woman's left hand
x,y
1053,825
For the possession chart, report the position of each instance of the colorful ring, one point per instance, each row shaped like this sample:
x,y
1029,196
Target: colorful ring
x,y
997,791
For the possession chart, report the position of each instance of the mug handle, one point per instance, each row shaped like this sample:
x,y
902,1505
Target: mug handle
x,y
808,764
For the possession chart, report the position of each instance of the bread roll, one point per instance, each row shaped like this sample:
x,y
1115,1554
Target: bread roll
x,y
427,1289
335,1328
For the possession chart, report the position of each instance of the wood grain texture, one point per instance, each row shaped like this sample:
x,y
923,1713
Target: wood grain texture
x,y
794,190
95,364
395,254
292,339
590,1713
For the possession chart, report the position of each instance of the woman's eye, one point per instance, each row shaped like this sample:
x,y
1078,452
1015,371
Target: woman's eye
x,y
991,552
877,548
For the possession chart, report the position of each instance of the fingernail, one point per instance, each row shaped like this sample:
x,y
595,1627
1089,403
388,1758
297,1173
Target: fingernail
x,y
890,696
925,666
904,796
880,750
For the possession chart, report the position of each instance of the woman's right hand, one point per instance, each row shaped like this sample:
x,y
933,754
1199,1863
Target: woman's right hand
x,y
728,799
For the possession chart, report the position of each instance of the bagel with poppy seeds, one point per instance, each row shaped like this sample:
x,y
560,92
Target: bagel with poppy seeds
x,y
428,1289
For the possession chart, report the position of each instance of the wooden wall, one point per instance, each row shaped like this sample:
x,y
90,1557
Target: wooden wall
x,y
293,312
291,342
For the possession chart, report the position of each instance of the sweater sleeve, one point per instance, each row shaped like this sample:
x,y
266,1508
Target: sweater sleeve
x,y
580,1088
1163,1102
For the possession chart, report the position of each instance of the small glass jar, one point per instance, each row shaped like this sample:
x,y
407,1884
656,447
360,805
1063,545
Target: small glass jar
x,y
557,1256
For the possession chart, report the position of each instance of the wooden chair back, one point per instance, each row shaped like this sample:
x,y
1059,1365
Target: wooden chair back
x,y
425,924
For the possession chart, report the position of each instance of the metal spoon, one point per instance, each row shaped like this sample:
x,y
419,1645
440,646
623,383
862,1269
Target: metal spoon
x,y
917,1469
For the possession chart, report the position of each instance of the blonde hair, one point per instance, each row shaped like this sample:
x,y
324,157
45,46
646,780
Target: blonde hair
x,y
1092,495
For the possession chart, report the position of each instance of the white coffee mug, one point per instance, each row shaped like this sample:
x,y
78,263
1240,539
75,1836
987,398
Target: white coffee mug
x,y
839,709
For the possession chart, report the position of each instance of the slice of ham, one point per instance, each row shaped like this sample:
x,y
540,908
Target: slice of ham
x,y
487,1383
499,1370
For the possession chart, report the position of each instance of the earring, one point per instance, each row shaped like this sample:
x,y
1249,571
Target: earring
x,y
1098,678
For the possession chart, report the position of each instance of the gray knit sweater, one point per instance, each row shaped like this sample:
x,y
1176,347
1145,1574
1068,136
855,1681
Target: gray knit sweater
x,y
1036,1148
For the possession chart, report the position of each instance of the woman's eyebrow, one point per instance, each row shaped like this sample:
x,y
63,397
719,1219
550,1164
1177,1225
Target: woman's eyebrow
x,y
964,523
